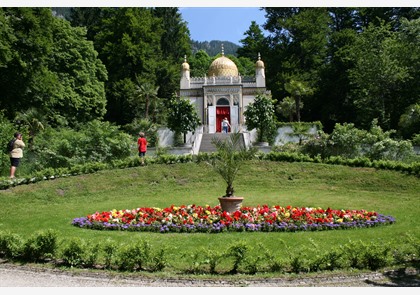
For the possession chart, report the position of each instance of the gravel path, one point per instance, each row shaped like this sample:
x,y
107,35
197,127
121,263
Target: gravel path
x,y
12,275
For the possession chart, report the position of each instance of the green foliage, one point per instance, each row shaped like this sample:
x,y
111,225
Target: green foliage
x,y
195,261
183,116
410,121
135,256
409,252
109,248
213,259
199,63
228,159
149,128
158,260
345,54
260,115
238,253
389,149
416,139
11,245
40,246
53,69
299,262
253,43
301,131
380,75
7,131
93,142
212,47
287,108
74,252
298,90
77,252
349,142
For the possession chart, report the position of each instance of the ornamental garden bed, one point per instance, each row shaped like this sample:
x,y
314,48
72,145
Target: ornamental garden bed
x,y
207,219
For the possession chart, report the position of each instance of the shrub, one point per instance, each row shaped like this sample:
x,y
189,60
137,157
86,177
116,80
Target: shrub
x,y
389,149
416,139
92,142
195,261
409,252
376,255
11,245
260,115
40,246
134,257
299,262
237,252
212,258
317,146
345,140
91,254
158,260
149,128
74,253
109,249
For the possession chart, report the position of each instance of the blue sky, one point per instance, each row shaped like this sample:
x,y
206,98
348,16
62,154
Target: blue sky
x,y
220,23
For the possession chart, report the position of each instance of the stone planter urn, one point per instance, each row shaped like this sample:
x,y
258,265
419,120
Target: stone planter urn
x,y
231,204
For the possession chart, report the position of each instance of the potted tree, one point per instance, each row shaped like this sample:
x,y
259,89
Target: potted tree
x,y
226,162
183,117
260,115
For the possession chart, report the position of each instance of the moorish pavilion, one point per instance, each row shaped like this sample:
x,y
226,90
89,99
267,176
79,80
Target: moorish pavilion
x,y
223,93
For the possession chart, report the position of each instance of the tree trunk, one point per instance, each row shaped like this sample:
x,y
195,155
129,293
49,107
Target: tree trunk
x,y
298,108
146,115
229,191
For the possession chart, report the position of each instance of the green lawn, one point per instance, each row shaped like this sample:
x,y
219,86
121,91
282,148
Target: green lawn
x,y
54,204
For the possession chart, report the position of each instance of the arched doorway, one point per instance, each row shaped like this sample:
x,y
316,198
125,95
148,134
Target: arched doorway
x,y
222,111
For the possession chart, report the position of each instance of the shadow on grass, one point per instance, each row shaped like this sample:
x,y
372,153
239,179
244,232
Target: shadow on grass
x,y
403,277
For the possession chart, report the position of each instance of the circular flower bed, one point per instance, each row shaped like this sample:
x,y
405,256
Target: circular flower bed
x,y
208,219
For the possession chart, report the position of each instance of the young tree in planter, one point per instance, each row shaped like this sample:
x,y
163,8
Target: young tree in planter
x,y
182,117
260,115
230,155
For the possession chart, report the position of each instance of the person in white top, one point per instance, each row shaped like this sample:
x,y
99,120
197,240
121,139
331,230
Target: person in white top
x,y
225,125
16,153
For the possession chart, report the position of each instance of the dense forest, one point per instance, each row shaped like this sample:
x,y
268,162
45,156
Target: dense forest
x,y
212,47
120,66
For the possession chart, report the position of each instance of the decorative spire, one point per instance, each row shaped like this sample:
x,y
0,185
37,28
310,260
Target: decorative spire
x,y
223,50
185,58
259,56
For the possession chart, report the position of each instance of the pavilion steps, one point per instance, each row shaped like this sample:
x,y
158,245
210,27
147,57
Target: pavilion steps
x,y
207,146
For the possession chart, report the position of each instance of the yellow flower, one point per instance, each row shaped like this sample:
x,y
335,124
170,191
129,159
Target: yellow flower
x,y
287,214
340,220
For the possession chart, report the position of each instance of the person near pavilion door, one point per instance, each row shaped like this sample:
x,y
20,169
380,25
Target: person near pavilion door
x,y
225,125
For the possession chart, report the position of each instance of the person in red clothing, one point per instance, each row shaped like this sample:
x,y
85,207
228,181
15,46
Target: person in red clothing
x,y
142,146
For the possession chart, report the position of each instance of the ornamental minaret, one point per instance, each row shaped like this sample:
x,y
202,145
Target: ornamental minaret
x,y
185,74
259,72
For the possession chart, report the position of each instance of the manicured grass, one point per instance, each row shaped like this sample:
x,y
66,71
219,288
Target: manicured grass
x,y
54,204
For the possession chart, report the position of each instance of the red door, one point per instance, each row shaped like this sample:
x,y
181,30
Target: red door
x,y
221,113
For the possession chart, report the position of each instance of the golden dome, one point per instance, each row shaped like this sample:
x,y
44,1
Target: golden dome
x,y
185,66
224,67
259,63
